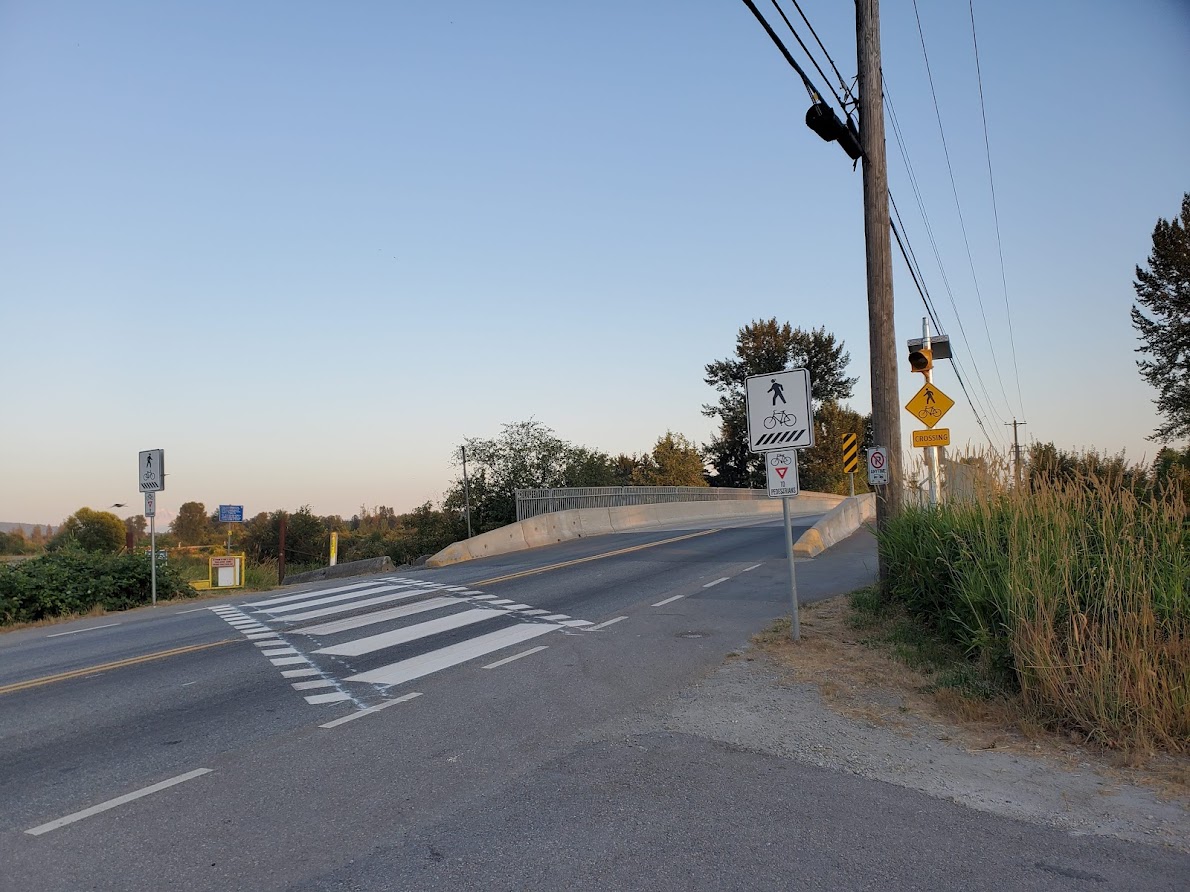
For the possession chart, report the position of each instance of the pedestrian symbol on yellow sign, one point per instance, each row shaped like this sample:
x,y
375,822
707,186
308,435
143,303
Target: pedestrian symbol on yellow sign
x,y
929,405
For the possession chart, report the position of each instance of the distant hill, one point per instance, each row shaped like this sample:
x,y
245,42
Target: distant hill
x,y
27,527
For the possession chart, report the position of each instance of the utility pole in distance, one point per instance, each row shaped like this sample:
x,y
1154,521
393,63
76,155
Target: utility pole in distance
x,y
1016,450
886,409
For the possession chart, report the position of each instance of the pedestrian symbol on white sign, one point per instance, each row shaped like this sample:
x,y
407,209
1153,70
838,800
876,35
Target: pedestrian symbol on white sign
x,y
779,411
151,470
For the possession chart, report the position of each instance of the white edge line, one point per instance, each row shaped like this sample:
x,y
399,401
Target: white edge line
x,y
717,581
359,714
523,653
753,567
668,601
604,625
76,631
112,803
195,610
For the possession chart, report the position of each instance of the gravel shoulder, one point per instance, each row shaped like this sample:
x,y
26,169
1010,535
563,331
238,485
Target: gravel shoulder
x,y
832,702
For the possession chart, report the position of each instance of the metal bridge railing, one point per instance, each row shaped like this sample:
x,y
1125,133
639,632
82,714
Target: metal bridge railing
x,y
532,502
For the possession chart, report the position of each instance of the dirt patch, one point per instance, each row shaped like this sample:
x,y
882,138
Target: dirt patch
x,y
835,702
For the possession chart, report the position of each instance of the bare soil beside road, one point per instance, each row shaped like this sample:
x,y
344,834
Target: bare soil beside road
x,y
835,702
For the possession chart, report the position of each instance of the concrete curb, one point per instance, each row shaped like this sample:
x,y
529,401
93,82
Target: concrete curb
x,y
580,523
839,523
339,571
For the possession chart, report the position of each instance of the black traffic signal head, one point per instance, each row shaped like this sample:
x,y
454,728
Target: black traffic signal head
x,y
821,118
921,359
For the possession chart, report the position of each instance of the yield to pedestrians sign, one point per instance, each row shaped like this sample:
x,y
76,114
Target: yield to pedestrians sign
x,y
779,412
782,473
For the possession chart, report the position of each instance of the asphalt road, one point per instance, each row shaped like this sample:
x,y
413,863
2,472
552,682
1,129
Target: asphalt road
x,y
375,734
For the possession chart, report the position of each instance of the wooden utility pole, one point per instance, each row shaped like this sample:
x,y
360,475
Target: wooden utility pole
x,y
886,408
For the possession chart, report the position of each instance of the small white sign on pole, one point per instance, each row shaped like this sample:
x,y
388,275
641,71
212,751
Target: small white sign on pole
x,y
781,468
150,504
878,466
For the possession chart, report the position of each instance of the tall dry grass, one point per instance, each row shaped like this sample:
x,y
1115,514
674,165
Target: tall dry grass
x,y
1074,590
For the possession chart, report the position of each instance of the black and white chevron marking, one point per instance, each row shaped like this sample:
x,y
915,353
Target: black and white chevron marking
x,y
780,438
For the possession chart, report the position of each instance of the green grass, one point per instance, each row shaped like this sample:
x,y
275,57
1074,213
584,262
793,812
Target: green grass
x,y
888,626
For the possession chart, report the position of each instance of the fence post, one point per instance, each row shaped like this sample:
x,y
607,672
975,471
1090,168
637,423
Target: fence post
x,y
281,551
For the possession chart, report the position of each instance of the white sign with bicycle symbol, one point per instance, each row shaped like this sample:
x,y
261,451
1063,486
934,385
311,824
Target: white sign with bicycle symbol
x,y
151,470
781,468
780,414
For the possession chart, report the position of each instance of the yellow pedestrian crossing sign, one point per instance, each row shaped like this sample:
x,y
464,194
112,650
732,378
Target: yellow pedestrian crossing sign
x,y
929,405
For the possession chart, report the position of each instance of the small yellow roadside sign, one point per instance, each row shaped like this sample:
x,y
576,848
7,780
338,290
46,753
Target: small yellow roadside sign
x,y
939,437
929,405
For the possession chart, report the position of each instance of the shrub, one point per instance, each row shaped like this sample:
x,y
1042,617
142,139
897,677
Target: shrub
x,y
72,581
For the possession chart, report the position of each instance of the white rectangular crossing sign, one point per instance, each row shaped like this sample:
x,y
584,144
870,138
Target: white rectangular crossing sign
x,y
781,468
780,414
151,470
150,504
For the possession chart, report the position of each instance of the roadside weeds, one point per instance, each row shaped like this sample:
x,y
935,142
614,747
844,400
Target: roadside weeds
x,y
881,669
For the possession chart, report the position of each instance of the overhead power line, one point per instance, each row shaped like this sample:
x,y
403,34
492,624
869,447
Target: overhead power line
x,y
842,82
784,51
959,207
995,209
929,304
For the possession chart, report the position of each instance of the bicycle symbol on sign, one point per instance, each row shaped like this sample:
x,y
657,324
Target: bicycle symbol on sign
x,y
778,459
782,417
928,412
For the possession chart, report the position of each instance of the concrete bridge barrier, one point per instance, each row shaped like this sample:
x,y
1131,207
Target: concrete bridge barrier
x,y
580,523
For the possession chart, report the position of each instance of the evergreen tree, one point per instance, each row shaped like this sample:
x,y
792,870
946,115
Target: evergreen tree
x,y
1163,290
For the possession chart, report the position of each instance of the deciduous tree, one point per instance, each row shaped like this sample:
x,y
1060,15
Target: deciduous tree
x,y
191,526
91,531
526,455
674,461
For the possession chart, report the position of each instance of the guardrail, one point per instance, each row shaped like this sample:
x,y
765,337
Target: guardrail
x,y
534,502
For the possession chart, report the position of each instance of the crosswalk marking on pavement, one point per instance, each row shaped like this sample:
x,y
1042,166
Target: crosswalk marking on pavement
x,y
322,591
380,616
445,657
326,663
348,607
410,633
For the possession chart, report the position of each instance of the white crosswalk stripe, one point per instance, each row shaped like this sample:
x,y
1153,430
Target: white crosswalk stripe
x,y
410,633
331,662
445,657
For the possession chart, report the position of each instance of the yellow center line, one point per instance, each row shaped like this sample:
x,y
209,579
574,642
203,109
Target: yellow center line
x,y
594,557
104,667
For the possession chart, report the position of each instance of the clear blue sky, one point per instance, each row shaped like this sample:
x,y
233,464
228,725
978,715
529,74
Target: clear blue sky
x,y
307,248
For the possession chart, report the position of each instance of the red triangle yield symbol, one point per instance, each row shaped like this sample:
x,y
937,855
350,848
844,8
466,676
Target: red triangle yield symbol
x,y
781,472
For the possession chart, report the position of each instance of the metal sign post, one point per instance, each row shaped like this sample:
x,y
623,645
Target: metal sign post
x,y
230,514
151,513
780,417
150,477
781,469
